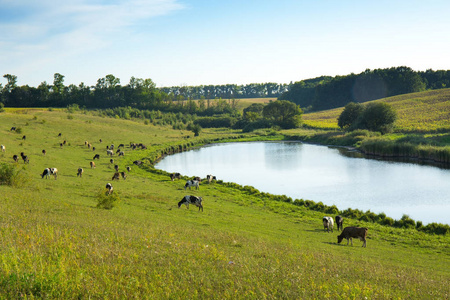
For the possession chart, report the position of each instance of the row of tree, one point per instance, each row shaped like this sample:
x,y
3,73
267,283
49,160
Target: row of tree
x,y
331,92
227,91
107,93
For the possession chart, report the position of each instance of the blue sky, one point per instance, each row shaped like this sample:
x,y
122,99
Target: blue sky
x,y
193,42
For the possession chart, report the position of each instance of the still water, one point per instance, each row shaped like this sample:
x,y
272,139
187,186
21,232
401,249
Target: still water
x,y
320,173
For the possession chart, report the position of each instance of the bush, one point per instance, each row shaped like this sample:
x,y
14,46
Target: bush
x,y
11,175
107,201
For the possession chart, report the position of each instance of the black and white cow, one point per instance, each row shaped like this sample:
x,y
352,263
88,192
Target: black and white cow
x,y
191,183
174,176
109,188
189,199
328,223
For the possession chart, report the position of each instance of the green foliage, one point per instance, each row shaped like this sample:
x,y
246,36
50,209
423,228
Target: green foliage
x,y
283,113
378,116
350,115
11,175
375,116
106,200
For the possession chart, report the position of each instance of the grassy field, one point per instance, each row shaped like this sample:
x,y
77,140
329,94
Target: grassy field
x,y
56,244
418,112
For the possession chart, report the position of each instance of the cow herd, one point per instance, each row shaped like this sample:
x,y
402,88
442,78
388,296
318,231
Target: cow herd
x,y
347,233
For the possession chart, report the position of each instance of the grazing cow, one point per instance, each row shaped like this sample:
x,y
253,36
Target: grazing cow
x,y
80,172
13,128
116,167
92,164
44,152
25,158
109,187
191,183
96,156
128,168
121,153
111,161
137,162
109,152
116,176
49,171
59,134
124,175
86,143
328,223
46,173
93,148
100,140
339,222
174,176
16,158
197,178
24,137
3,148
121,145
353,232
210,178
197,201
61,145
64,142
54,172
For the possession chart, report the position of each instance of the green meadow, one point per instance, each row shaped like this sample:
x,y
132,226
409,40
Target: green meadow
x,y
55,243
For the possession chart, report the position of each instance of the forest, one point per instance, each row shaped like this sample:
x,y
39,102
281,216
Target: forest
x,y
330,92
315,94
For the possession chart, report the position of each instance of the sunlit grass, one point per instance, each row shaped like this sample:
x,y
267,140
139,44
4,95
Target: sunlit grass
x,y
56,244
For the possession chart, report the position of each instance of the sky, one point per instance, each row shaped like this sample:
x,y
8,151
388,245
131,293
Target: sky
x,y
202,42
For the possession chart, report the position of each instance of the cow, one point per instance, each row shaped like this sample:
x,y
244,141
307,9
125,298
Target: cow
x,y
44,152
191,183
54,172
24,137
128,168
16,158
328,224
174,176
197,201
13,129
25,158
137,162
109,188
49,171
124,175
109,152
80,172
353,232
96,156
116,167
116,176
3,148
339,222
92,164
210,178
46,173
59,134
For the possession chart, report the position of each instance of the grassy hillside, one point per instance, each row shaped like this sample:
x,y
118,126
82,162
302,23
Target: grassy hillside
x,y
418,112
55,243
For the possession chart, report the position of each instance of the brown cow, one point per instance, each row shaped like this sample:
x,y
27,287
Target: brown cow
x,y
353,232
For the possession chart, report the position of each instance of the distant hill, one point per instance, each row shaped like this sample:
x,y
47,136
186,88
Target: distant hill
x,y
427,111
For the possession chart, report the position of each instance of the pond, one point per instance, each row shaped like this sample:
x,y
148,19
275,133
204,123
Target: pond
x,y
320,173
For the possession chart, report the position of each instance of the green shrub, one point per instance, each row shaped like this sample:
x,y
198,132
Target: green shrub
x,y
107,201
11,175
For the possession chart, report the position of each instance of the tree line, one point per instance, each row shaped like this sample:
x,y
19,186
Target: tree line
x,y
330,92
108,93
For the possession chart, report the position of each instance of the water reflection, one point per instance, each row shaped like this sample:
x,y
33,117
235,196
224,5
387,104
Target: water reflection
x,y
330,175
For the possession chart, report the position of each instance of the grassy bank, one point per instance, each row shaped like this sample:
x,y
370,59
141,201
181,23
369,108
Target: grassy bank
x,y
55,243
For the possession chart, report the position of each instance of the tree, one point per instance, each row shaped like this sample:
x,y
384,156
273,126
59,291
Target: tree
x,y
350,115
378,116
283,113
